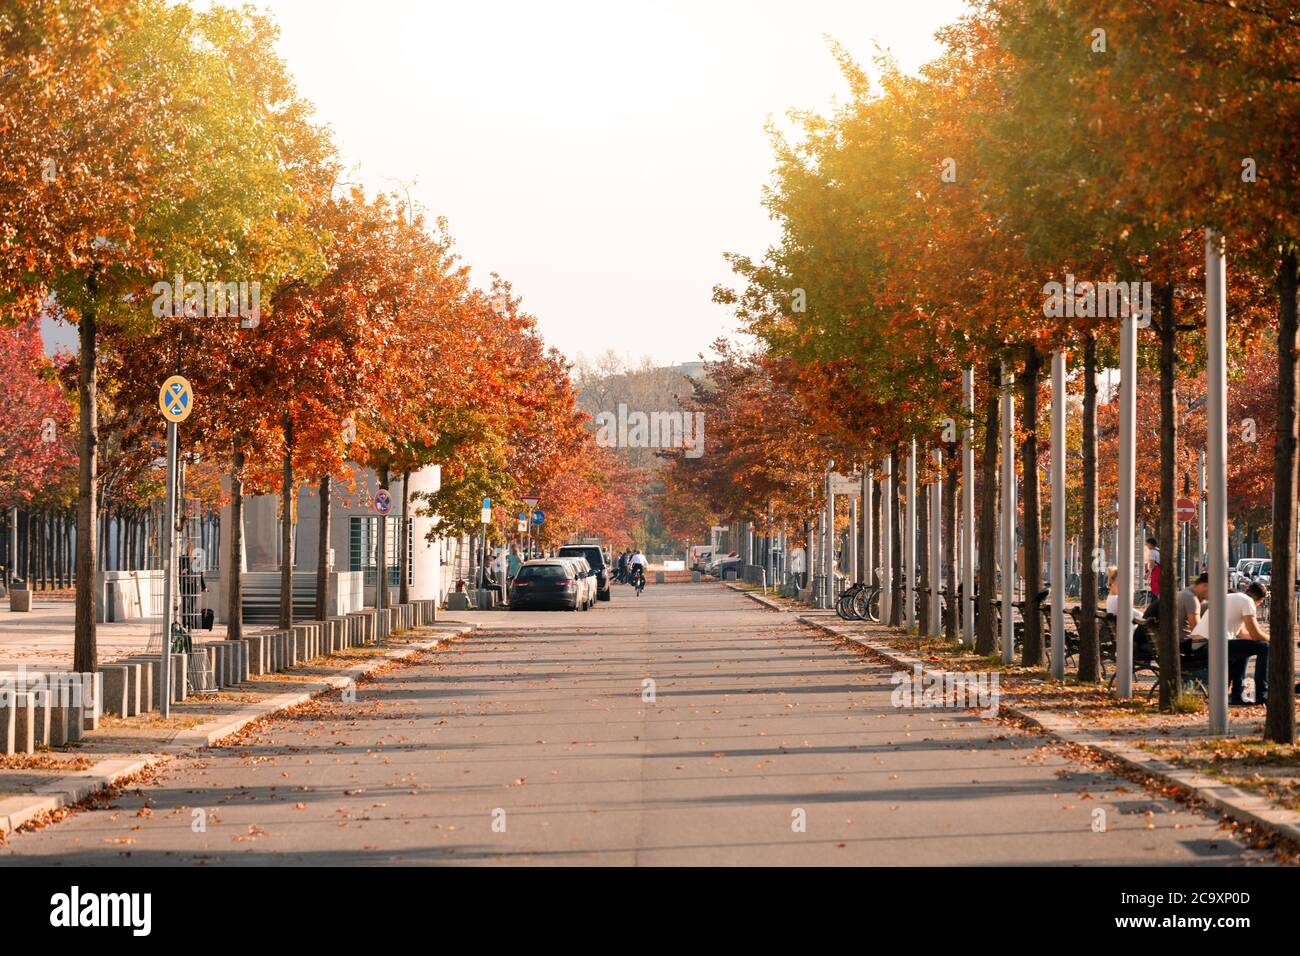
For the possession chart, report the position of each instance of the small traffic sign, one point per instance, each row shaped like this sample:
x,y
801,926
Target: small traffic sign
x,y
530,501
1186,509
176,398
538,516
383,501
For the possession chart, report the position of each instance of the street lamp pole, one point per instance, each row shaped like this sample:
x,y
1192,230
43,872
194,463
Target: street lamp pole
x,y
1008,517
1127,483
1058,515
886,542
909,538
968,510
1216,427
936,551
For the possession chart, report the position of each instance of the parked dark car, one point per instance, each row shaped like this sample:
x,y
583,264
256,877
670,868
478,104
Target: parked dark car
x,y
595,556
547,583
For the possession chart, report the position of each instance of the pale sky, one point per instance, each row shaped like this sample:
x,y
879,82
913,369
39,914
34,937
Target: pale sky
x,y
599,155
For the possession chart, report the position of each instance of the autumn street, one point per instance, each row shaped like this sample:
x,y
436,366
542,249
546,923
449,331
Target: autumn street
x,y
540,740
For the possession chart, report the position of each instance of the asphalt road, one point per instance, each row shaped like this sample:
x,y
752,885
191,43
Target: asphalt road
x,y
536,742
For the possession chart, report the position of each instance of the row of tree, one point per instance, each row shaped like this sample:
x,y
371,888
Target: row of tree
x,y
934,223
168,191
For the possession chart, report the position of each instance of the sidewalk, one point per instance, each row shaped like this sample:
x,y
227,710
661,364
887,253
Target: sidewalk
x,y
1252,782
47,782
42,637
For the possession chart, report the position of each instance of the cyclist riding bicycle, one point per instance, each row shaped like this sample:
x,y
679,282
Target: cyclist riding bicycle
x,y
636,568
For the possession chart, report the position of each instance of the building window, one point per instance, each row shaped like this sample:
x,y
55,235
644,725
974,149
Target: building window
x,y
363,539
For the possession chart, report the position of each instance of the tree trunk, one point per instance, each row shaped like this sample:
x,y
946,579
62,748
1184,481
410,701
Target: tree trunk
x,y
950,543
403,549
1167,646
1279,720
234,576
1089,642
323,552
985,629
381,550
286,529
1031,651
877,540
85,653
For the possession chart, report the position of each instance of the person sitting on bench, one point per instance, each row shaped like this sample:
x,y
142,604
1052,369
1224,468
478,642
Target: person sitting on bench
x,y
1240,616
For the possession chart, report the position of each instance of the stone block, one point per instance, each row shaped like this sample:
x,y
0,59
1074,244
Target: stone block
x,y
8,723
92,696
179,677
59,714
25,727
149,683
41,720
116,686
20,599
256,658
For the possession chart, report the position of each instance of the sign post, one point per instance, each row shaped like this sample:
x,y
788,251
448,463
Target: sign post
x,y
176,401
383,505
1216,474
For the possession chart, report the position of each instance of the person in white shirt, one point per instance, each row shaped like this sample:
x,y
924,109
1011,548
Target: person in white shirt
x,y
797,561
1112,599
1240,613
636,566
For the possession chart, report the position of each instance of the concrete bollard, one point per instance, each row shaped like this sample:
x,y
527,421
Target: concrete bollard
x,y
150,699
179,677
24,707
58,714
116,685
92,695
220,658
256,660
242,651
76,718
41,720
8,723
134,689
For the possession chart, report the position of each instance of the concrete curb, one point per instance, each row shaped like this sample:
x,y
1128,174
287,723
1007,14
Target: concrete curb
x,y
755,596
71,789
74,788
1227,800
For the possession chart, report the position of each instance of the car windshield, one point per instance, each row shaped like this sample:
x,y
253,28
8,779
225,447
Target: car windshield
x,y
533,572
595,557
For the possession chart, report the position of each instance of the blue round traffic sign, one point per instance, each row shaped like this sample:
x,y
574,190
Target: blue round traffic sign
x,y
176,399
383,501
538,516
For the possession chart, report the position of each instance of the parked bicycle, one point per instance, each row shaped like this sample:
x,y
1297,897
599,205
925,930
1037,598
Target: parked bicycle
x,y
859,602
